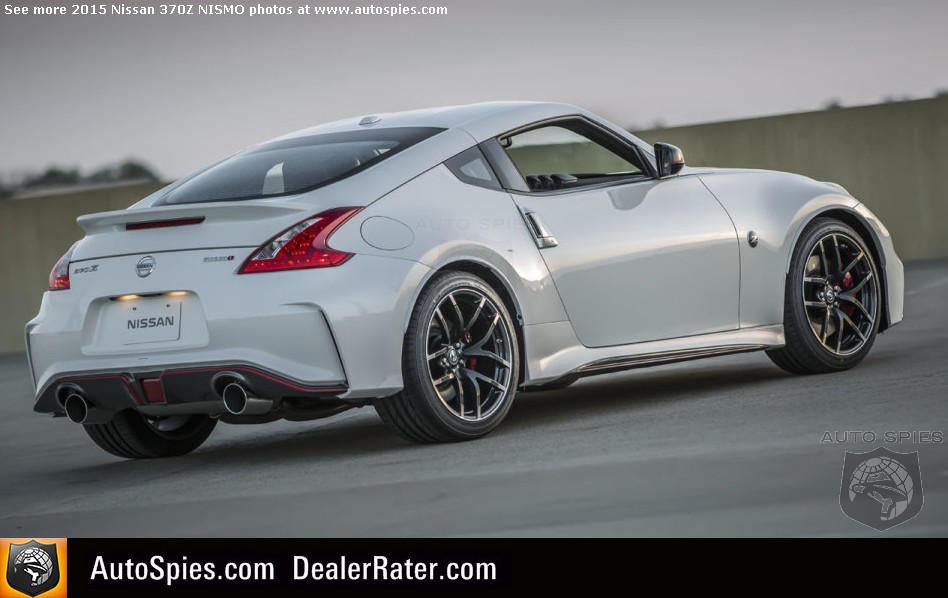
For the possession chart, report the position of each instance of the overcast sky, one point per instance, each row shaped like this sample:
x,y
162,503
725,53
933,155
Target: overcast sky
x,y
179,92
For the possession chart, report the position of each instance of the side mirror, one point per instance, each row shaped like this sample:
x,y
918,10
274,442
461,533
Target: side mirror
x,y
670,160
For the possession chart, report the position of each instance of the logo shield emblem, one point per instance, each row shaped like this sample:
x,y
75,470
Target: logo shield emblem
x,y
33,568
881,488
145,266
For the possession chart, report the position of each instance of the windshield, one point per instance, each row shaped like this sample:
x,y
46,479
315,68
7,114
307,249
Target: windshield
x,y
294,165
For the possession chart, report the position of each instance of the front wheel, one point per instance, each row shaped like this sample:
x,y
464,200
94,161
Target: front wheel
x,y
132,435
832,303
460,363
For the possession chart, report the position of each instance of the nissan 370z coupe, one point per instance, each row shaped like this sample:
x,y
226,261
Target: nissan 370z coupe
x,y
433,263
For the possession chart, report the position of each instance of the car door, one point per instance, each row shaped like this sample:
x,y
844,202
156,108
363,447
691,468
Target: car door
x,y
634,258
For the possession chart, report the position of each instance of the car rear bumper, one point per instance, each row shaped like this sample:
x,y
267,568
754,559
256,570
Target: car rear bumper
x,y
174,390
333,331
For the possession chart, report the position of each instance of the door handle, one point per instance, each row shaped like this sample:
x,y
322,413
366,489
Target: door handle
x,y
541,234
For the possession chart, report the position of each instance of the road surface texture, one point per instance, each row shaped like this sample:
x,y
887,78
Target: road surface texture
x,y
727,446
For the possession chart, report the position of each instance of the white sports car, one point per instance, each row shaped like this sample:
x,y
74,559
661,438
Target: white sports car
x,y
431,263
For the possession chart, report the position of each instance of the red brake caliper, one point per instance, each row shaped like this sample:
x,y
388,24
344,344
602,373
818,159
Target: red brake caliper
x,y
845,284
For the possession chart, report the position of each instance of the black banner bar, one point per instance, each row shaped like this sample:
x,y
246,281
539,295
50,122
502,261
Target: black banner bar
x,y
197,567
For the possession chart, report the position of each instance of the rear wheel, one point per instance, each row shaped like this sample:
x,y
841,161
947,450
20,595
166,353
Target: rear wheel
x,y
460,364
832,304
133,436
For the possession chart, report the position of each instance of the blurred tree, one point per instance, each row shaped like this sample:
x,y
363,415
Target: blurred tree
x,y
941,93
106,174
658,124
126,171
54,176
833,104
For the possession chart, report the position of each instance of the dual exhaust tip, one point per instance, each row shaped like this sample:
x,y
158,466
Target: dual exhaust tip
x,y
237,399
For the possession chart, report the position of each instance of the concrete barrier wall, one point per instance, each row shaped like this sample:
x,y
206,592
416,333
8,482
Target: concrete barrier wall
x,y
34,233
891,156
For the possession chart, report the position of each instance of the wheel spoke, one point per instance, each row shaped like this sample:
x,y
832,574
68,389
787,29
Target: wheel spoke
x,y
824,329
446,378
443,322
839,257
487,354
852,264
457,310
844,318
819,304
460,386
823,257
849,298
486,337
477,313
814,279
475,375
861,284
437,353
839,331
477,395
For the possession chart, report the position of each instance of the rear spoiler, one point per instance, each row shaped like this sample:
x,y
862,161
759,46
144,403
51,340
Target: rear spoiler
x,y
143,218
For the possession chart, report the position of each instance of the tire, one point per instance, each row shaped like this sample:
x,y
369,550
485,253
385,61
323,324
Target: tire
x,y
453,393
131,436
832,301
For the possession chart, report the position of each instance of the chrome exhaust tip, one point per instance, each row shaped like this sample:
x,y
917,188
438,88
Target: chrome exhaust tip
x,y
237,401
77,409
80,411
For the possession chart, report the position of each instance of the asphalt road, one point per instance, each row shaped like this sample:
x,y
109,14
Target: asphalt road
x,y
729,446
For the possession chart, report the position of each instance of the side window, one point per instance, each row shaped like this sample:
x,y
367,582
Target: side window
x,y
472,168
569,154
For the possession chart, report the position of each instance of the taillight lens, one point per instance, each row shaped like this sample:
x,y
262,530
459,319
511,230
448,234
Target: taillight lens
x,y
304,245
59,276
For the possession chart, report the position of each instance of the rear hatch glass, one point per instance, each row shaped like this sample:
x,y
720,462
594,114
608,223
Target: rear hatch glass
x,y
294,166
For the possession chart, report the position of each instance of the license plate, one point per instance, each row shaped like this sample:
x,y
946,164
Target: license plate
x,y
147,320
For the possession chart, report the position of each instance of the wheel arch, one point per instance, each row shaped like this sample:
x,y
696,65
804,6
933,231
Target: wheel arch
x,y
857,222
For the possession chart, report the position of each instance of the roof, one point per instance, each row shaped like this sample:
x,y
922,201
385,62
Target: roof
x,y
481,120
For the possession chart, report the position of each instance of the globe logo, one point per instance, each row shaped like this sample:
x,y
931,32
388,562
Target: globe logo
x,y
35,563
885,481
881,488
33,568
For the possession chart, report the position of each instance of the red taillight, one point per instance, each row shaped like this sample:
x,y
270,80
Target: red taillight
x,y
59,276
304,245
